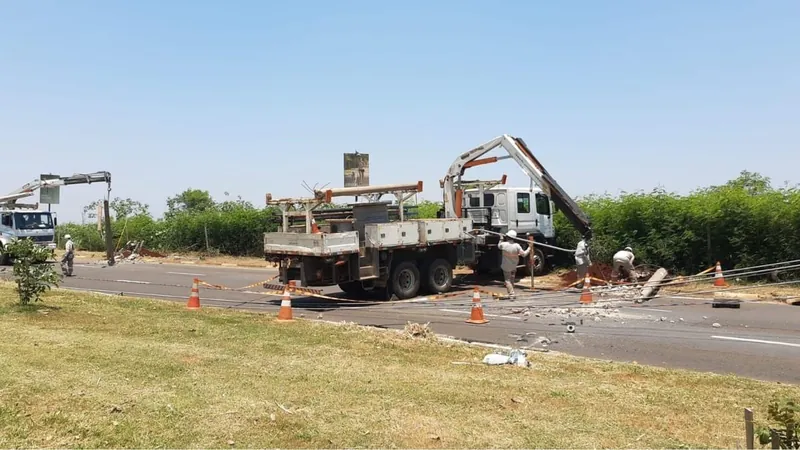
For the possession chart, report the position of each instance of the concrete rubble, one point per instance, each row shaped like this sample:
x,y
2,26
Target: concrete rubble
x,y
135,250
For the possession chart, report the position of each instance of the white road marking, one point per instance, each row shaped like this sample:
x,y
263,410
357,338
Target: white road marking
x,y
132,281
487,315
187,273
758,341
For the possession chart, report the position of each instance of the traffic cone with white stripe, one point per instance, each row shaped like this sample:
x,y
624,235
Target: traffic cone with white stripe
x,y
719,279
476,315
194,297
285,313
586,294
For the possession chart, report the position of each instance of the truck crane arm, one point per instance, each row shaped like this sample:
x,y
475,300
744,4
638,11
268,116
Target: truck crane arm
x,y
519,152
79,178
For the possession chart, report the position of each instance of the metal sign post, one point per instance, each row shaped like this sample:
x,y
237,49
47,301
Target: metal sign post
x,y
51,195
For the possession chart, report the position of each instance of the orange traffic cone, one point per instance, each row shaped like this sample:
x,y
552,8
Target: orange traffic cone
x,y
476,316
285,313
586,294
314,227
719,280
194,297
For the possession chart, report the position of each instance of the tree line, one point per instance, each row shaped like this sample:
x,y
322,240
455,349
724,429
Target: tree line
x,y
744,222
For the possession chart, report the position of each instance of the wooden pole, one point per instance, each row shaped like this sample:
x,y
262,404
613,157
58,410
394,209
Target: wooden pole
x,y
109,236
532,258
748,427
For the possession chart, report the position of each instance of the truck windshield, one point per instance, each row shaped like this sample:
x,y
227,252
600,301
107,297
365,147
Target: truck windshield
x,y
32,221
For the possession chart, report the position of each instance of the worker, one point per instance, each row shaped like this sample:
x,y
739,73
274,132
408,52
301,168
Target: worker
x,y
623,264
511,253
69,256
582,260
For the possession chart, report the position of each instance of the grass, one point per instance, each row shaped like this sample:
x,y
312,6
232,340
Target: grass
x,y
85,370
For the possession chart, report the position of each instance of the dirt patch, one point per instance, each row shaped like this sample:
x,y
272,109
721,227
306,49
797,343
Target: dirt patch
x,y
599,271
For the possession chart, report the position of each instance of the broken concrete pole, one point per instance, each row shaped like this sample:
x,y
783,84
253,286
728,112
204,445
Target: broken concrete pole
x,y
652,286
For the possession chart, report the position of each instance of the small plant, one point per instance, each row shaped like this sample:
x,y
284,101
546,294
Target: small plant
x,y
32,273
785,413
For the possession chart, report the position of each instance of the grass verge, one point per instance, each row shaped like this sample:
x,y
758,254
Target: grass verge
x,y
83,370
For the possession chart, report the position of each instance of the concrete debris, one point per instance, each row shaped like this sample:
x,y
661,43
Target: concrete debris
x,y
134,250
716,325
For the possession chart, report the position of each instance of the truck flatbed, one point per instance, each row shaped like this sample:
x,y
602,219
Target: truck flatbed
x,y
303,244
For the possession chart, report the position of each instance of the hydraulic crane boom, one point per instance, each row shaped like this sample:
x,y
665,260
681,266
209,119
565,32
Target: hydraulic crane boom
x,y
519,152
28,189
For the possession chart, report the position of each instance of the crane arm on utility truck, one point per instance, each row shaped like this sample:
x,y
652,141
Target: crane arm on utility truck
x,y
519,152
28,189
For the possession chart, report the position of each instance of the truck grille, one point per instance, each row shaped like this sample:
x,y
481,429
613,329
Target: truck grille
x,y
41,238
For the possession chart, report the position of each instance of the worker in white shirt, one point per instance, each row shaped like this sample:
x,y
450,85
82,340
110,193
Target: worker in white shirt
x,y
623,264
69,256
582,261
511,253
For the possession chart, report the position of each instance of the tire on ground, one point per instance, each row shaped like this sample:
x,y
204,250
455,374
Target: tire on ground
x,y
405,280
439,276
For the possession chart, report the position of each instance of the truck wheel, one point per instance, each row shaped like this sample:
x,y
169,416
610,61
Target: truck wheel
x,y
538,262
405,280
439,276
353,288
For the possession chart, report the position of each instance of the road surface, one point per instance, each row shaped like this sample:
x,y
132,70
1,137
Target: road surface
x,y
758,340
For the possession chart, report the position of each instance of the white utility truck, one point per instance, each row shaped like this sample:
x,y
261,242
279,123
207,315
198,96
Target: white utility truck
x,y
372,247
27,221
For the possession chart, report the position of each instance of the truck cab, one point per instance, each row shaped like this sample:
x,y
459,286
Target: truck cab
x,y
39,226
528,211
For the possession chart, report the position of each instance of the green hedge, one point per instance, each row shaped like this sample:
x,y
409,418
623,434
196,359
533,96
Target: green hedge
x,y
742,223
235,230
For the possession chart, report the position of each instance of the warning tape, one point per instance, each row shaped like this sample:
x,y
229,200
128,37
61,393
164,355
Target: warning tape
x,y
282,287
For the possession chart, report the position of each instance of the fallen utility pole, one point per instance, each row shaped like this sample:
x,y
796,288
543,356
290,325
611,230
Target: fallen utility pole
x,y
652,286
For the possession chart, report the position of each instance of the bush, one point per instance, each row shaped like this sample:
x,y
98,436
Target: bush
x,y
32,273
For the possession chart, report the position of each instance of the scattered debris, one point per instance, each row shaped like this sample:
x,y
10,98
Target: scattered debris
x,y
716,325
516,357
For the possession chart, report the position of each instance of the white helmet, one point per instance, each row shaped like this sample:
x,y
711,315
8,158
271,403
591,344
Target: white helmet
x,y
512,234
66,236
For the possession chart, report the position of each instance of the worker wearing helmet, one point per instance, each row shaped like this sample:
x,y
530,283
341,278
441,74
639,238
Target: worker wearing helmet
x,y
623,264
511,252
69,256
582,260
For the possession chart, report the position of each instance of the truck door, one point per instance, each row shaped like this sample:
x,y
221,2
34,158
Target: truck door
x,y
525,220
544,215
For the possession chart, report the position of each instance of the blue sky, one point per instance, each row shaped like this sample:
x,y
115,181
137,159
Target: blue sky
x,y
251,97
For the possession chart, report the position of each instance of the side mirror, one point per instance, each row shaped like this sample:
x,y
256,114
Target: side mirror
x,y
55,222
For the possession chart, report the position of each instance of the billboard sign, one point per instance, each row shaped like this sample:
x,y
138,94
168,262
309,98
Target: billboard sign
x,y
50,195
356,169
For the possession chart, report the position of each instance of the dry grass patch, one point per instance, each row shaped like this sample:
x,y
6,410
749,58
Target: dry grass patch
x,y
100,371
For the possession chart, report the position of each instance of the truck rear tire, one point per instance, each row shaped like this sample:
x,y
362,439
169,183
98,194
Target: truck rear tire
x,y
405,280
439,276
540,265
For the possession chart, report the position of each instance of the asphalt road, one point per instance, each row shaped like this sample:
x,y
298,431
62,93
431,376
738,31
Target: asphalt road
x,y
758,340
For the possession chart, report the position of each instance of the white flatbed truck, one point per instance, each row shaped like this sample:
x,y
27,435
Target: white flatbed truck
x,y
367,252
